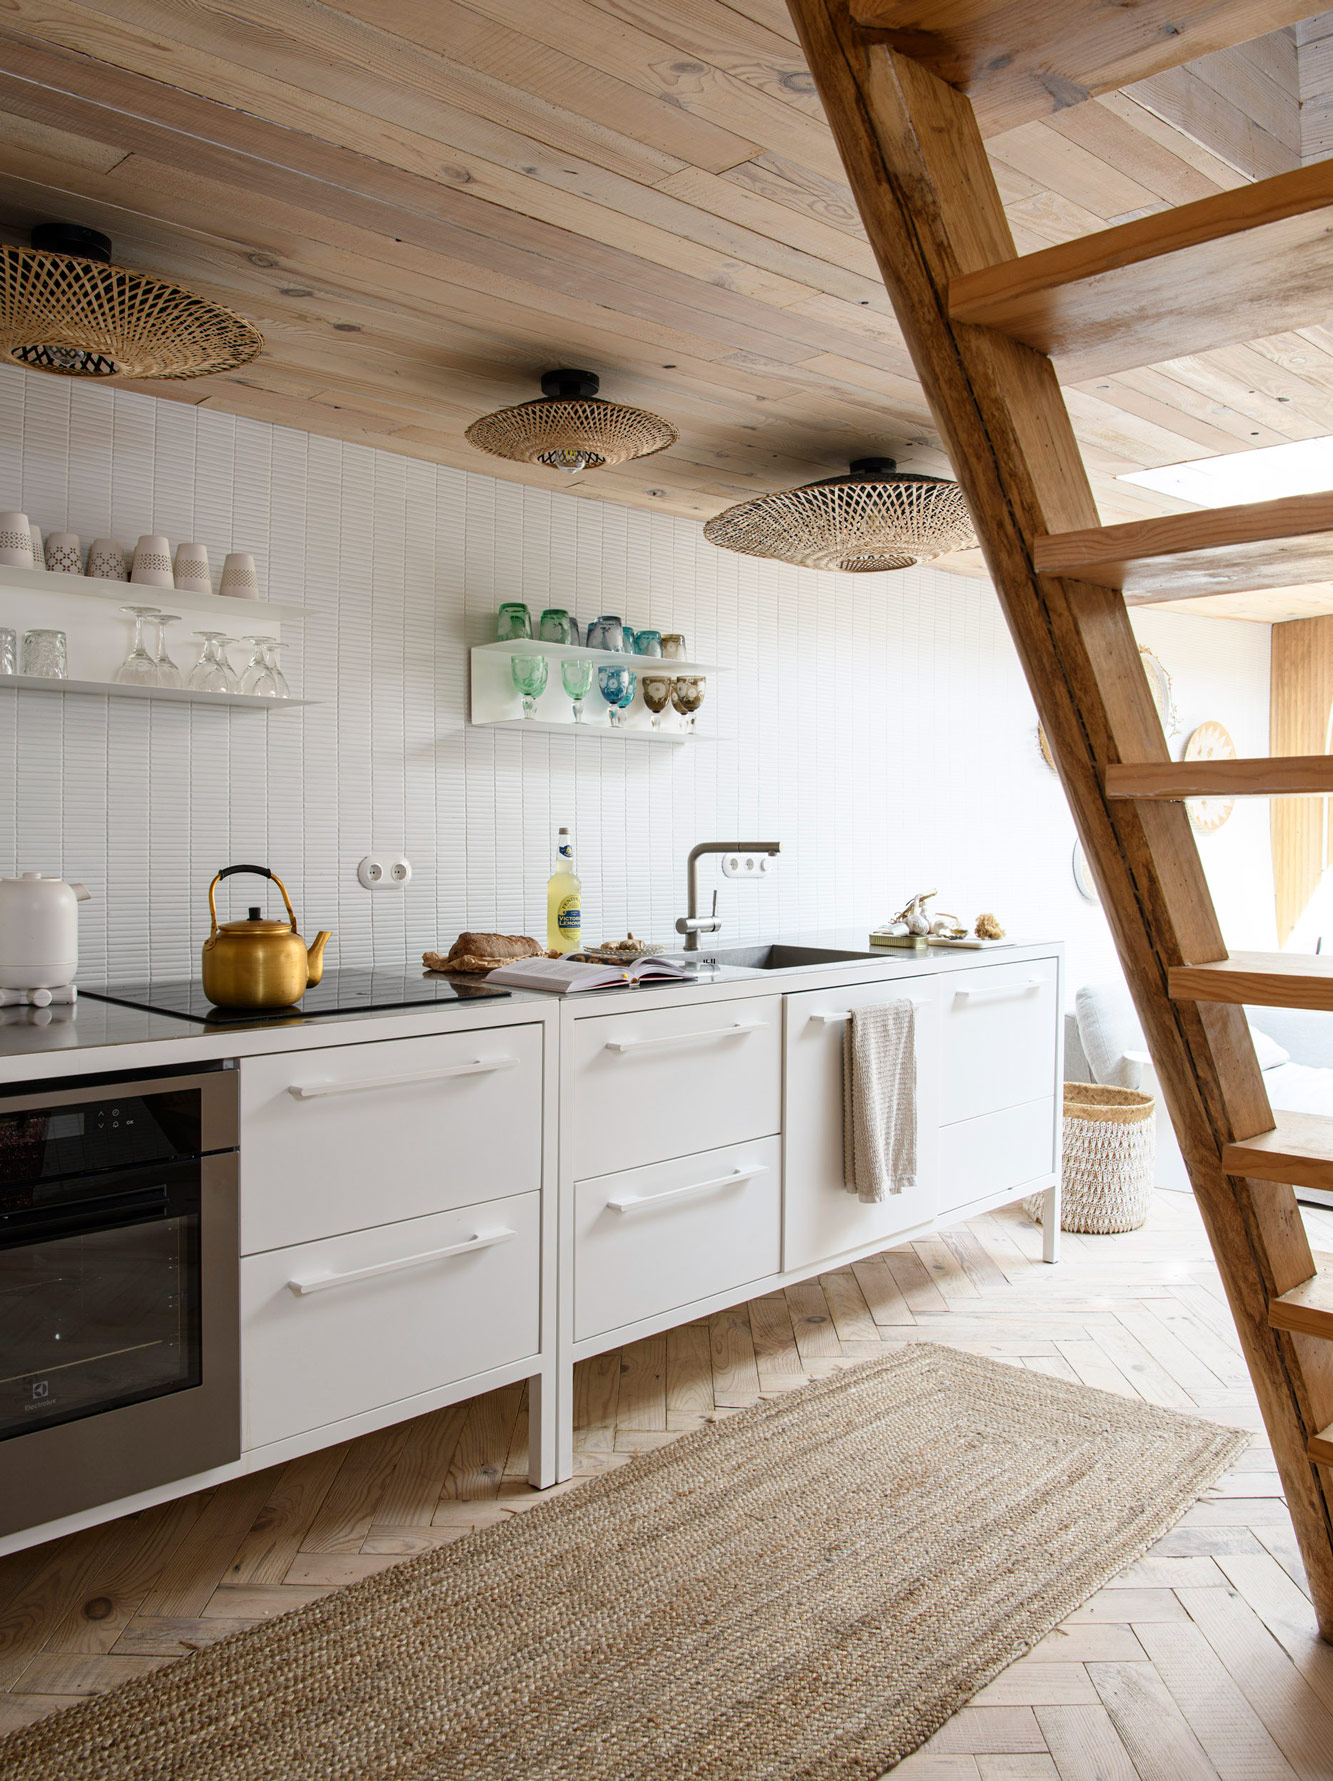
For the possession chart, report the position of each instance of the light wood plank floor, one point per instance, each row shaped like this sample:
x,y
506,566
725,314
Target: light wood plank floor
x,y
1201,1663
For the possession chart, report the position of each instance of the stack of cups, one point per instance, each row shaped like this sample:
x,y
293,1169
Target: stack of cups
x,y
152,562
192,572
15,540
238,576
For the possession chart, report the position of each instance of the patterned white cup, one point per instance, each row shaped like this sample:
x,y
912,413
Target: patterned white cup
x,y
152,561
238,576
106,560
15,540
63,554
192,572
38,551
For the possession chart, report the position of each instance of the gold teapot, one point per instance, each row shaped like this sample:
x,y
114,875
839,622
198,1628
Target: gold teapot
x,y
258,963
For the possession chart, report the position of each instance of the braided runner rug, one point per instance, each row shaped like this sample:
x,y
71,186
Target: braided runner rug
x,y
802,1592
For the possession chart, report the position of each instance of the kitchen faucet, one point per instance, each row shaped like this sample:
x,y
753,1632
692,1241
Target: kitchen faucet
x,y
693,924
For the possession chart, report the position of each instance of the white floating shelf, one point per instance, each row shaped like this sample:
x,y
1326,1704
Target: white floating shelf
x,y
132,593
605,658
171,695
631,733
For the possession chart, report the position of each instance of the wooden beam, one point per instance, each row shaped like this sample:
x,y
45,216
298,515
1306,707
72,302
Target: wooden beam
x,y
1264,776
1241,265
1019,59
1263,979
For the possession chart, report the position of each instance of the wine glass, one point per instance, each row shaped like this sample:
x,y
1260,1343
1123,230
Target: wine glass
x,y
514,621
529,676
212,673
617,687
168,674
687,695
657,690
577,677
138,668
281,690
556,626
258,678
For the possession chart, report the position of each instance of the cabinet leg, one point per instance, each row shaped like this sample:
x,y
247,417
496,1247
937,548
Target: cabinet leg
x,y
1050,1224
543,1466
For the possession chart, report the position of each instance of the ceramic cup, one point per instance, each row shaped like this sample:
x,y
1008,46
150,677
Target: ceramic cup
x,y
192,572
106,560
152,562
15,540
63,554
38,553
238,576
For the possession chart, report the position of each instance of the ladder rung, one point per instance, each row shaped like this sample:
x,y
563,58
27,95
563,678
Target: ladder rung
x,y
1264,776
1217,550
1271,979
1239,265
1299,1151
1307,1308
1321,1447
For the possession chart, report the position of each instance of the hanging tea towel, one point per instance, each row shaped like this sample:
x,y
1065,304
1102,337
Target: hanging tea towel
x,y
879,1101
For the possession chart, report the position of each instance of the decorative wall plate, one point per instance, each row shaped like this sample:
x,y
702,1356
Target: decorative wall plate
x,y
1210,742
1087,885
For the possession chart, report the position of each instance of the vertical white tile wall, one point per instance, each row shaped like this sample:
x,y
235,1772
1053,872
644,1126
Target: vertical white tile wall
x,y
879,727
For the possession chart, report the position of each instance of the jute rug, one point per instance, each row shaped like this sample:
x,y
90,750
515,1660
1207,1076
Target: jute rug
x,y
802,1592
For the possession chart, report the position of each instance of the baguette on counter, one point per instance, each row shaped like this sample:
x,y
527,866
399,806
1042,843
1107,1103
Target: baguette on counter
x,y
472,955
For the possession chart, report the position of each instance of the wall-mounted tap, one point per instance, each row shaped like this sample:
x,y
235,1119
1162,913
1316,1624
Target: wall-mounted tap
x,y
693,924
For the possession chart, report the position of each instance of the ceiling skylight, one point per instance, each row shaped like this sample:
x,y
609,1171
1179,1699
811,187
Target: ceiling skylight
x,y
1305,467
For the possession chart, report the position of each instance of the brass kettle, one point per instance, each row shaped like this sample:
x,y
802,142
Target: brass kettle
x,y
257,963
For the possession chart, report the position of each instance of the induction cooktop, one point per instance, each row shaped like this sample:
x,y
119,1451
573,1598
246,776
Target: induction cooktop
x,y
338,992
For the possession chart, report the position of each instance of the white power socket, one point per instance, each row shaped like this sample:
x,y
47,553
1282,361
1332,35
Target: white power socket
x,y
748,865
376,873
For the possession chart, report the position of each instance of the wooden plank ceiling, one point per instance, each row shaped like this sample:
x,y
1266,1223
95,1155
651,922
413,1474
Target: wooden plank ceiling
x,y
424,204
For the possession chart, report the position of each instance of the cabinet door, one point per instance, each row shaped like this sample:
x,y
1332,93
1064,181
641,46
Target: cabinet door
x,y
995,1152
820,1219
998,1037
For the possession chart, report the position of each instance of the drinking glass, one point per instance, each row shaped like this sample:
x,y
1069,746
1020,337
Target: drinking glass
x,y
529,676
657,692
9,651
631,637
687,695
258,678
168,674
673,646
281,690
44,654
556,626
138,668
514,621
648,643
617,687
212,673
577,677
606,633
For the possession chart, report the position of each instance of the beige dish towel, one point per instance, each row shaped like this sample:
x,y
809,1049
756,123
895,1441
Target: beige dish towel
x,y
879,1101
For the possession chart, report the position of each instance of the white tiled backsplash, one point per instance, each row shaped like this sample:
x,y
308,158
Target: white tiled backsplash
x,y
878,726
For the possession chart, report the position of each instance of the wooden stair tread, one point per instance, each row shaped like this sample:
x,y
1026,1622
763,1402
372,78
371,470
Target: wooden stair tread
x,y
1269,979
1235,266
1262,776
1307,1308
1298,1151
1321,1446
1216,550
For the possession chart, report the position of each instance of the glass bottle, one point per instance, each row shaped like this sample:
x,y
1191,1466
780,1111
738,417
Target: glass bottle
x,y
564,908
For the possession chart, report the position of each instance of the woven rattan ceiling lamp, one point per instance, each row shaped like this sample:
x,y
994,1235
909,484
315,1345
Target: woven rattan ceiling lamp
x,y
570,428
66,309
874,518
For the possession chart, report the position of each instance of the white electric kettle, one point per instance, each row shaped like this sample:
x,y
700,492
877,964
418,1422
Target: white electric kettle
x,y
39,932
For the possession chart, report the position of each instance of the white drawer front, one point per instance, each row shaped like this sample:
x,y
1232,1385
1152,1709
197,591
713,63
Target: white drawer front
x,y
998,1151
670,1081
648,1240
998,1031
357,1135
336,1328
820,1219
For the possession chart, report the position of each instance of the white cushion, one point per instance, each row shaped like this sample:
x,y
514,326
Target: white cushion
x,y
1270,1054
1108,1027
1300,1088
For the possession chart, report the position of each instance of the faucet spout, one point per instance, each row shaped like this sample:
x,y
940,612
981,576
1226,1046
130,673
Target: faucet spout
x,y
692,924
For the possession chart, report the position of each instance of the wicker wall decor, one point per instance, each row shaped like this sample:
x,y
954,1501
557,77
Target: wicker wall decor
x,y
873,519
69,311
570,428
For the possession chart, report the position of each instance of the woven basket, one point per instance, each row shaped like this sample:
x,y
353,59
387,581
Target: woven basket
x,y
1110,1146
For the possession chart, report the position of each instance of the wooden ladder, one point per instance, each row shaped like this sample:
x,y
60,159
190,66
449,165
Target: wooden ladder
x,y
984,328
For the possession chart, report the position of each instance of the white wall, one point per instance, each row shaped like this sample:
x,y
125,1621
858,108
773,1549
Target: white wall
x,y
878,726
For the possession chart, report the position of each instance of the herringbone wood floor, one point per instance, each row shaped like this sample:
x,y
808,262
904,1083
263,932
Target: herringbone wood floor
x,y
1199,1664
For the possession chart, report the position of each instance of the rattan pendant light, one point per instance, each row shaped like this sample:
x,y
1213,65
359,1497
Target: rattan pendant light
x,y
874,518
570,428
66,309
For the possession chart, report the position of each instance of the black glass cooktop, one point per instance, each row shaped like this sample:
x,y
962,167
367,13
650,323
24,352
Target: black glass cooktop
x,y
339,992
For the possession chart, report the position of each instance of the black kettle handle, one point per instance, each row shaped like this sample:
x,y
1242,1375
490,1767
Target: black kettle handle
x,y
227,871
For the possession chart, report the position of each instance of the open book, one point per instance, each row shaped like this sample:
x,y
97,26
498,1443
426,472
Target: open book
x,y
565,977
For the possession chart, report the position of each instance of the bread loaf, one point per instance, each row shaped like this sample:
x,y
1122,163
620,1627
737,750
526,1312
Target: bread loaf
x,y
472,954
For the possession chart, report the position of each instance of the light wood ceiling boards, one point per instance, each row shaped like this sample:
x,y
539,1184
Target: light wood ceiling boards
x,y
424,204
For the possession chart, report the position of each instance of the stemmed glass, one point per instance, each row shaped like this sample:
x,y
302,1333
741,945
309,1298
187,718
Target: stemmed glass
x,y
258,678
529,676
577,677
168,674
138,668
617,687
280,688
657,691
212,673
687,695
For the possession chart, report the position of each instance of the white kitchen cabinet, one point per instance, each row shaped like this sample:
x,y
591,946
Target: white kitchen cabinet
x,y
663,1082
356,1135
649,1240
999,1037
820,1219
354,1323
995,1152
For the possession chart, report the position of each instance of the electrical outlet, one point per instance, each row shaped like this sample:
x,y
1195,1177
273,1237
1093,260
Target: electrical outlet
x,y
371,873
747,865
400,871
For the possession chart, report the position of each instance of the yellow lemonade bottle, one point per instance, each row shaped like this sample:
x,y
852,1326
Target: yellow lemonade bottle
x,y
564,909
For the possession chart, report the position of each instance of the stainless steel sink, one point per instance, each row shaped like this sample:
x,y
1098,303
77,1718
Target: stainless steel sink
x,y
773,958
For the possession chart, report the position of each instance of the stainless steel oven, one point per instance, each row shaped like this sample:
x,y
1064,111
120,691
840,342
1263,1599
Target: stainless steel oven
x,y
119,1336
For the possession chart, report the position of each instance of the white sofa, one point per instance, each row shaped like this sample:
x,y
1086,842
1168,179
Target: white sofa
x,y
1104,1043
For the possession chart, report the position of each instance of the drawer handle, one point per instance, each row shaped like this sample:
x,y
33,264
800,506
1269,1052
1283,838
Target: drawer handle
x,y
321,1282
1000,991
846,1014
680,1193
731,1032
313,1091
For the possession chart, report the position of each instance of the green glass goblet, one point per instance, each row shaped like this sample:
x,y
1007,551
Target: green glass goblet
x,y
529,676
577,677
